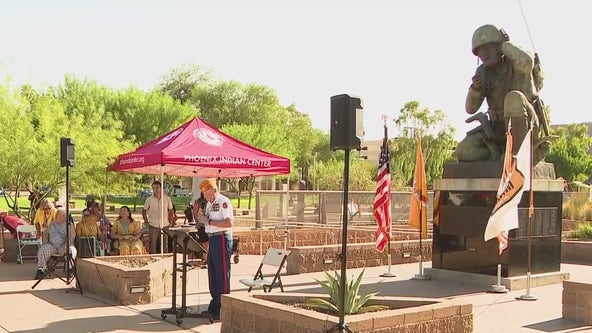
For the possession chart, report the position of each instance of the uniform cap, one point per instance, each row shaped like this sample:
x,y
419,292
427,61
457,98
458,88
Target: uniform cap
x,y
207,184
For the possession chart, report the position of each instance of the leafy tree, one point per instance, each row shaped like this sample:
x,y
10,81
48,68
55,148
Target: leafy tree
x,y
571,152
362,175
37,121
298,131
437,141
147,115
268,138
96,146
231,102
22,156
184,81
250,112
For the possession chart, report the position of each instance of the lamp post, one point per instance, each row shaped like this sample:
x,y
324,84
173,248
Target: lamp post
x,y
314,171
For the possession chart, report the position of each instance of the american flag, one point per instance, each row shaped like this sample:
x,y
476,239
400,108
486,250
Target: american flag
x,y
382,200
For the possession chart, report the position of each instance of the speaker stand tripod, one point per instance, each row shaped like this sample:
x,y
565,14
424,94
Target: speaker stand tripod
x,y
70,264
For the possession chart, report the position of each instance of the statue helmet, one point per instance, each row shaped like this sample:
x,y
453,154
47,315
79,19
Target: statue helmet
x,y
485,35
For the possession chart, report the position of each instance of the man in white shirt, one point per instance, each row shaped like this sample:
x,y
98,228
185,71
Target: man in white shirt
x,y
218,219
152,213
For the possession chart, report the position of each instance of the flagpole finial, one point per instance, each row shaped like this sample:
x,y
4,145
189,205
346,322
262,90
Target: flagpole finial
x,y
384,118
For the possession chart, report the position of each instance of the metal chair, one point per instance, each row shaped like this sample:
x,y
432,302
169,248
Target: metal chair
x,y
273,257
26,235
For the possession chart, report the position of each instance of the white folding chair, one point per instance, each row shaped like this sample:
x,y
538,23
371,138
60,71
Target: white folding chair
x,y
273,257
26,235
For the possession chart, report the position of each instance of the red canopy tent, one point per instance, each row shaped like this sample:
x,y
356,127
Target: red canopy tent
x,y
197,149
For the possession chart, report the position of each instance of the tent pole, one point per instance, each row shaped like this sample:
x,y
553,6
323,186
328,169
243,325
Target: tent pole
x,y
288,202
161,207
105,207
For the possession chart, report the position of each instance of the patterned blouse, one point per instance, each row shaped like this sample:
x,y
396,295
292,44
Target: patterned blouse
x,y
57,235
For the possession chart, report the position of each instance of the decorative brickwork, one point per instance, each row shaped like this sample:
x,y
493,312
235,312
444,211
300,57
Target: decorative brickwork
x,y
307,259
108,278
247,313
577,301
258,241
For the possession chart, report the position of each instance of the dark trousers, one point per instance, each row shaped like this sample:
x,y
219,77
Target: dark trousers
x,y
219,252
154,240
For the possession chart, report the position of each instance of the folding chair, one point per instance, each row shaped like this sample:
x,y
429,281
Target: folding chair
x,y
26,235
59,261
273,257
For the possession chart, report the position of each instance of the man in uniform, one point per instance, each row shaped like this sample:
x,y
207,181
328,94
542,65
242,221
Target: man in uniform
x,y
510,80
218,218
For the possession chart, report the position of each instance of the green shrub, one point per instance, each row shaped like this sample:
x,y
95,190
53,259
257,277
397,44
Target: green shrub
x,y
353,303
587,213
582,231
578,207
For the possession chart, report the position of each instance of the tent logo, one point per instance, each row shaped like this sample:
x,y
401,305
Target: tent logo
x,y
210,137
170,136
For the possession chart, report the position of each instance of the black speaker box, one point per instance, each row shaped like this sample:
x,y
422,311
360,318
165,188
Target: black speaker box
x,y
346,122
67,152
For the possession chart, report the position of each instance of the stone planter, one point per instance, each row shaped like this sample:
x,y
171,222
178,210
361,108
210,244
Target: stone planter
x,y
568,224
256,313
576,252
127,280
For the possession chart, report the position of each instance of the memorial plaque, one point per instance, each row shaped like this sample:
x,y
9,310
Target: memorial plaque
x,y
460,219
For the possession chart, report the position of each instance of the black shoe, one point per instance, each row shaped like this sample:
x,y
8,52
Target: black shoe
x,y
216,317
39,274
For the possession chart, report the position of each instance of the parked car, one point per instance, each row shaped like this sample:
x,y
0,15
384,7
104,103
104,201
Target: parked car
x,y
145,193
178,191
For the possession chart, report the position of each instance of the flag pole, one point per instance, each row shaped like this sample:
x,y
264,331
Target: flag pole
x,y
388,273
420,275
498,288
528,296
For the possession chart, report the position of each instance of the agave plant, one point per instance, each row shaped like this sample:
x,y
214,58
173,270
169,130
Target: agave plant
x,y
353,303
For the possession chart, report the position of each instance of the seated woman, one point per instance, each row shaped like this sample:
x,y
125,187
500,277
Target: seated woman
x,y
128,232
55,241
87,230
44,216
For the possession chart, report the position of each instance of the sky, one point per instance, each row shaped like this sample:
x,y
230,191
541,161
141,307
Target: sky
x,y
385,52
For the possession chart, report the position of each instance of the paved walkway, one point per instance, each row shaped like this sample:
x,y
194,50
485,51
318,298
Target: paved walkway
x,y
53,307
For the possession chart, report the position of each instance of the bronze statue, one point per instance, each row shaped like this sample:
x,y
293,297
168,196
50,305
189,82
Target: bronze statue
x,y
510,80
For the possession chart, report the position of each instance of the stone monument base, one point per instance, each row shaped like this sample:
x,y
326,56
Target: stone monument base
x,y
512,283
463,201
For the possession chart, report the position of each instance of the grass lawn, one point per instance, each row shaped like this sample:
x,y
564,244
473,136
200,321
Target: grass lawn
x,y
79,203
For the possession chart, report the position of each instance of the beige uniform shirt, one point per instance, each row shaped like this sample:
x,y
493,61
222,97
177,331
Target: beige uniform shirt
x,y
153,209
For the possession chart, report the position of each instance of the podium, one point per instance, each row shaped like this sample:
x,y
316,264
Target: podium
x,y
188,244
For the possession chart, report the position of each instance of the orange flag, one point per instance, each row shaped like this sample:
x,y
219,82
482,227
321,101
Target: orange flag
x,y
513,183
418,213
